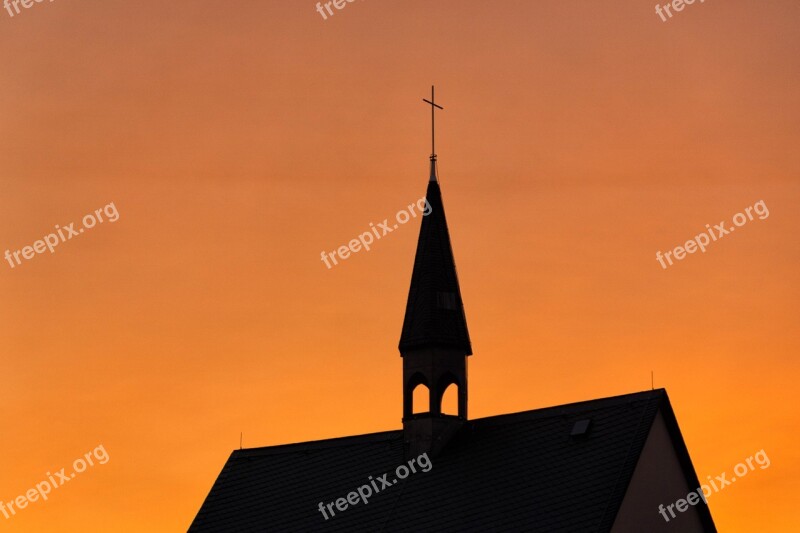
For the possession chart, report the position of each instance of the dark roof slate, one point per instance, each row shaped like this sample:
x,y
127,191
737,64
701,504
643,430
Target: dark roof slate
x,y
512,472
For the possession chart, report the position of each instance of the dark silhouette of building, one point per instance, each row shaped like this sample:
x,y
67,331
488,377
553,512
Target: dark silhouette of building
x,y
595,466
435,341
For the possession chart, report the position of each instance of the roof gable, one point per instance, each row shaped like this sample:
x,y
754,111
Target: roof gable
x,y
505,472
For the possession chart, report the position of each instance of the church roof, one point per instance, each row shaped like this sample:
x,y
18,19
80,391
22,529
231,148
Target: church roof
x,y
434,312
522,471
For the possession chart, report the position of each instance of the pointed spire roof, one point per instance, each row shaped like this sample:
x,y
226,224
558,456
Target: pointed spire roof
x,y
434,312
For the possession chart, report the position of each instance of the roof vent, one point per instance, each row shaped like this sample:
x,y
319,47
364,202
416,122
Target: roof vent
x,y
581,428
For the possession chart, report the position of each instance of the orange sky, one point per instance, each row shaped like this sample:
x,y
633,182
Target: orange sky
x,y
238,140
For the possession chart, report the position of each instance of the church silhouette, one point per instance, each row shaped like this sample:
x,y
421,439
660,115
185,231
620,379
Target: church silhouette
x,y
593,466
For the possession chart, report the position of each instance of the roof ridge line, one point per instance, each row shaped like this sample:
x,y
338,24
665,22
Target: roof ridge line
x,y
320,443
612,400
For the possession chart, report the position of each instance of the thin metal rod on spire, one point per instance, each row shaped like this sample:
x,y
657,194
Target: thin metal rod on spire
x,y
434,105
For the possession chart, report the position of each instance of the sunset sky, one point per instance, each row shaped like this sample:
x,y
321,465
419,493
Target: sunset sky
x,y
239,140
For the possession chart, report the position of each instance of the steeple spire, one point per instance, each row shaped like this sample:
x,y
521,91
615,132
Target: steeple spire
x,y
434,105
434,312
434,343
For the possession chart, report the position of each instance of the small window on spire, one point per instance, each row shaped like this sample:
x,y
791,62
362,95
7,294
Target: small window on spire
x,y
446,300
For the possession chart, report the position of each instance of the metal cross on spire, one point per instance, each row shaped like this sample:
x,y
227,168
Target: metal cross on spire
x,y
434,105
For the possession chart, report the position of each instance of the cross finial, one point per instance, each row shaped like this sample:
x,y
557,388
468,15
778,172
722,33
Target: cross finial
x,y
434,105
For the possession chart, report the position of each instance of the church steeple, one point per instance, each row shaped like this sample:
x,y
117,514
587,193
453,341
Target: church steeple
x,y
434,312
434,342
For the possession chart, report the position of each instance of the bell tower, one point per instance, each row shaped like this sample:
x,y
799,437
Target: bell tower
x,y
434,343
